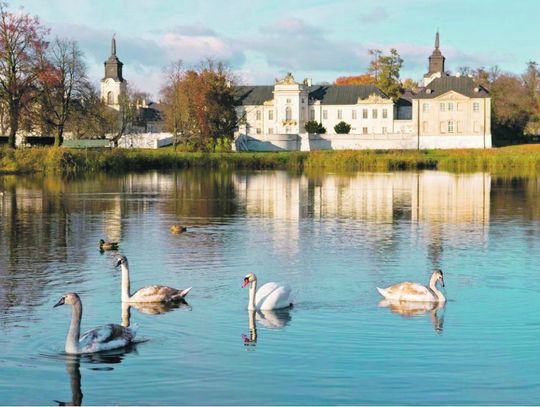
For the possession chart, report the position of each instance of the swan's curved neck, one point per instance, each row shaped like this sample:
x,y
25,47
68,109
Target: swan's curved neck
x,y
126,295
433,287
252,291
72,340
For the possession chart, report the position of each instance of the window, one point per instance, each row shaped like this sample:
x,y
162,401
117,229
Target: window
x,y
450,126
364,113
110,98
384,130
270,115
270,130
354,114
258,115
425,107
288,100
374,113
325,114
442,107
288,113
385,113
458,106
339,114
311,114
476,107
302,100
364,130
450,106
259,130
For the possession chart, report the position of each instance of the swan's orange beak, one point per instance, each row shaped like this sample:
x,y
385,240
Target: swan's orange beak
x,y
246,282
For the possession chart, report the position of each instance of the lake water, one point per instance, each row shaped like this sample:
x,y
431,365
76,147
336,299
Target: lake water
x,y
332,238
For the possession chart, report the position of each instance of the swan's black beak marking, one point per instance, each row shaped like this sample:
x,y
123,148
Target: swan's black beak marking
x,y
118,263
62,301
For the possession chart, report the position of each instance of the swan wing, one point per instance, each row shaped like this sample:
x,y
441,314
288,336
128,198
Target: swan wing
x,y
407,291
105,337
158,293
279,297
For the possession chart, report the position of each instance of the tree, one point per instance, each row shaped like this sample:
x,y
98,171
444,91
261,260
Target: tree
x,y
511,108
88,118
62,79
21,44
342,128
409,84
388,78
364,79
374,65
200,104
121,121
314,127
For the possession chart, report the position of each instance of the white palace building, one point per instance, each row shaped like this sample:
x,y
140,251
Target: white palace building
x,y
446,112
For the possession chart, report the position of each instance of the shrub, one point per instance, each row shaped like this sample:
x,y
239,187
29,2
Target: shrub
x,y
342,128
313,126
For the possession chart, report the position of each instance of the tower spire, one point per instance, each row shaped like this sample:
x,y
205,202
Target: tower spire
x,y
437,40
113,45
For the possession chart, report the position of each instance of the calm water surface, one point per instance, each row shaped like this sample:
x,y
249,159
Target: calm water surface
x,y
333,238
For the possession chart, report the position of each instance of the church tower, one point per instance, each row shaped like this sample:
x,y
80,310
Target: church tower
x,y
436,63
113,85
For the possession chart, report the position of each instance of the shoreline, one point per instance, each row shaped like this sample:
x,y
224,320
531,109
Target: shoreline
x,y
521,159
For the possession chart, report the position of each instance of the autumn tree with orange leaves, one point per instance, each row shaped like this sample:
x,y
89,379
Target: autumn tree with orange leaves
x,y
365,79
199,104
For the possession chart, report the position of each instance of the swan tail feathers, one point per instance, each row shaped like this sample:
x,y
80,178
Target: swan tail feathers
x,y
382,291
185,292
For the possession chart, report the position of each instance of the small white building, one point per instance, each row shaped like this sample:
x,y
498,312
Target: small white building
x,y
448,112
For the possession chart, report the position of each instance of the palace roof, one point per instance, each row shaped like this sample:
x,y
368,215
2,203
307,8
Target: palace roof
x,y
460,84
326,94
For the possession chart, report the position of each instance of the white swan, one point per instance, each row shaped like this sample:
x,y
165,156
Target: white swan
x,y
416,292
105,337
151,293
269,296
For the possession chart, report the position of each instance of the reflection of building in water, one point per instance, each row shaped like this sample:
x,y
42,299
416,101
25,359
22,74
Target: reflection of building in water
x,y
274,194
451,198
368,196
429,196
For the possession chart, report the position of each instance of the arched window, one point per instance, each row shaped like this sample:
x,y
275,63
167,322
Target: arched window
x,y
110,98
288,113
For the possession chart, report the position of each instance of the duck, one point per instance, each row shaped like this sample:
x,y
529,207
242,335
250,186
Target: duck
x,y
151,293
408,291
177,229
103,245
101,338
269,297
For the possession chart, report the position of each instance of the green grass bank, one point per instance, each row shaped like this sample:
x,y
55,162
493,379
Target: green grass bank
x,y
524,159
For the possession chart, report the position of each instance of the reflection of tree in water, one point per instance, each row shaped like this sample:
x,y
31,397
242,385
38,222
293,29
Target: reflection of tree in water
x,y
515,196
202,194
40,227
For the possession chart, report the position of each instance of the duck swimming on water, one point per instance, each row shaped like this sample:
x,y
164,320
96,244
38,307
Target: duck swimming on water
x,y
103,245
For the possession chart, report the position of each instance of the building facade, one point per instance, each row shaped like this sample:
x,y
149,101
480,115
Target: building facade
x,y
113,84
446,112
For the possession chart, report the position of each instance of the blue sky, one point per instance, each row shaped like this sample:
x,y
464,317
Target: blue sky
x,y
321,39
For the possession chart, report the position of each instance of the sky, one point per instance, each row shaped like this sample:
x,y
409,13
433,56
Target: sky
x,y
319,39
